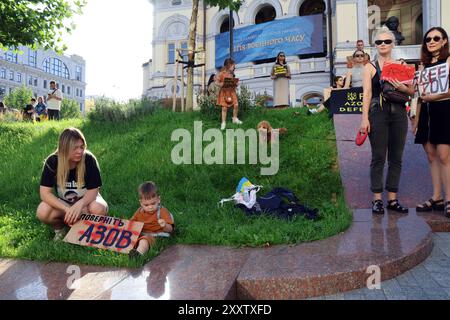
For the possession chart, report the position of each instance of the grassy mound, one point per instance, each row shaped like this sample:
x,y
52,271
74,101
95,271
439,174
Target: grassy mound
x,y
139,150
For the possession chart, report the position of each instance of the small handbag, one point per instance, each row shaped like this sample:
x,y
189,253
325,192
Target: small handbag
x,y
361,138
389,93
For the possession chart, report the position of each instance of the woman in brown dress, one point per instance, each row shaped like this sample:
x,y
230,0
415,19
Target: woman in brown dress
x,y
227,95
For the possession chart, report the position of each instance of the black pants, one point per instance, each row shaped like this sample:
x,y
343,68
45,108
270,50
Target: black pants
x,y
53,114
388,130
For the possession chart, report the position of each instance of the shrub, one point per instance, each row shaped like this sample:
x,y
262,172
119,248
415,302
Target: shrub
x,y
18,98
109,110
11,116
70,109
209,108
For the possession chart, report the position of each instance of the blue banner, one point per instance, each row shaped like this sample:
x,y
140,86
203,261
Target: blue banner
x,y
294,36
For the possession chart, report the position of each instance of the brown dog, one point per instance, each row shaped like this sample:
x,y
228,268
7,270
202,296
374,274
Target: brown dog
x,y
265,126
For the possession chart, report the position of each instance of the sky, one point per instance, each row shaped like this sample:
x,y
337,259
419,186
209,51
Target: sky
x,y
114,37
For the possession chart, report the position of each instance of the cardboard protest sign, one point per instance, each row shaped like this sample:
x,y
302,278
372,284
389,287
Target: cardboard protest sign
x,y
280,71
347,101
399,72
105,233
433,80
230,82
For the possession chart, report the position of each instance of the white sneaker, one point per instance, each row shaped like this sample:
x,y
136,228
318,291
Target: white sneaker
x,y
60,234
237,121
223,126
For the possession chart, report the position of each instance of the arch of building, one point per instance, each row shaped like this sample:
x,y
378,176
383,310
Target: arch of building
x,y
255,6
294,6
165,29
219,18
304,92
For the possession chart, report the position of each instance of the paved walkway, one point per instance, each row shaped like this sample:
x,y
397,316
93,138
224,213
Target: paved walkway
x,y
428,281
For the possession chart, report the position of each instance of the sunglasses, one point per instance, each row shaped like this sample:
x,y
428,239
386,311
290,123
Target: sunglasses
x,y
380,42
435,39
282,55
359,56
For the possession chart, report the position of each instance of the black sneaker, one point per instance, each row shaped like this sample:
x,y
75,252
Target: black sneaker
x,y
394,205
134,254
377,207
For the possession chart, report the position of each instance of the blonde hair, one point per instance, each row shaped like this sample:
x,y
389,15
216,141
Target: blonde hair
x,y
67,140
383,30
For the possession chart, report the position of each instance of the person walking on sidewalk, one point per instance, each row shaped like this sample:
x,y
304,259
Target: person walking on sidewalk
x,y
433,131
387,125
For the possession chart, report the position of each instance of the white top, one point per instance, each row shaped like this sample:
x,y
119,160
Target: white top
x,y
54,104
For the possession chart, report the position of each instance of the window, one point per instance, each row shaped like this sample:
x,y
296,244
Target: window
x,y
78,73
2,91
225,26
35,82
30,80
176,2
56,67
68,90
171,55
81,93
3,73
32,58
266,14
63,89
45,84
312,7
77,92
12,57
404,18
19,77
47,65
11,75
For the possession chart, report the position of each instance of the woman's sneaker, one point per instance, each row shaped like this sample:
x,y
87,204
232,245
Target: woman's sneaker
x,y
237,121
394,205
60,234
377,207
223,126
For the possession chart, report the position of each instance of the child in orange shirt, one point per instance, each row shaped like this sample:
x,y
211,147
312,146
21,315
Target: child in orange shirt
x,y
158,221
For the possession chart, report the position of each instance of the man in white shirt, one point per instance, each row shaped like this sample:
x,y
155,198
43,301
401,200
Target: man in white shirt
x,y
54,100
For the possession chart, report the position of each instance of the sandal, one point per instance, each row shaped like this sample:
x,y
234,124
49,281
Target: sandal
x,y
394,205
430,205
447,209
377,207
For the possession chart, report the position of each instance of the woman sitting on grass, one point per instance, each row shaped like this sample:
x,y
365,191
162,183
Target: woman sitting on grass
x,y
74,174
339,83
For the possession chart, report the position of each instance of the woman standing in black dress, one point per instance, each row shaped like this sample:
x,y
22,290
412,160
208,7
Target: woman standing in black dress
x,y
433,130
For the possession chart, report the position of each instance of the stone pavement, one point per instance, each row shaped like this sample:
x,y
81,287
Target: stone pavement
x,y
428,281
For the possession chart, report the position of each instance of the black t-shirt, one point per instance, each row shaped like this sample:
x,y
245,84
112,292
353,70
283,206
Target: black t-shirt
x,y
70,193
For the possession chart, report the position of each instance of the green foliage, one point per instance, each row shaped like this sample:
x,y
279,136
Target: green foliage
x,y
223,4
70,109
18,98
112,111
37,23
139,149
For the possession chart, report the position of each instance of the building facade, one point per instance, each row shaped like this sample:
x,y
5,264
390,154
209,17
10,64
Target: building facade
x,y
36,68
344,22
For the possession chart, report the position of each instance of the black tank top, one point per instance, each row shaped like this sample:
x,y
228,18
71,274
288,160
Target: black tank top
x,y
376,85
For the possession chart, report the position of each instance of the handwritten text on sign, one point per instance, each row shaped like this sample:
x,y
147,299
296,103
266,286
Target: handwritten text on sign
x,y
399,72
432,81
105,233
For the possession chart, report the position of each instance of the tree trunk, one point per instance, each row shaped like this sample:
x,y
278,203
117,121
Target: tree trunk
x,y
191,56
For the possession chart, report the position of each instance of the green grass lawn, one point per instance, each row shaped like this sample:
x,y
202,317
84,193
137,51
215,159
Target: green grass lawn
x,y
132,152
